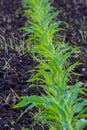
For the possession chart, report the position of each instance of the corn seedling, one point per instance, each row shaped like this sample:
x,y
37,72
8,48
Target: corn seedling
x,y
59,107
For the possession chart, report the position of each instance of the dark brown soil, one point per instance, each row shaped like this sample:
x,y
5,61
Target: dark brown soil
x,y
13,66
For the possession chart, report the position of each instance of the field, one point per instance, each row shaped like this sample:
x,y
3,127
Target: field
x,y
14,63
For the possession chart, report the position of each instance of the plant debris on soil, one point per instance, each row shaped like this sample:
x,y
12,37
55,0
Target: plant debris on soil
x,y
13,67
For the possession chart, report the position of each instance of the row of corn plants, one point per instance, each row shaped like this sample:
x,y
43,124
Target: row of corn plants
x,y
59,106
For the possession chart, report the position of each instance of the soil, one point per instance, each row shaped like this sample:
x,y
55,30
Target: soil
x,y
13,65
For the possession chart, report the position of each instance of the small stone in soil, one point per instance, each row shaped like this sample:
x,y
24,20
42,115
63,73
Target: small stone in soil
x,y
6,125
83,69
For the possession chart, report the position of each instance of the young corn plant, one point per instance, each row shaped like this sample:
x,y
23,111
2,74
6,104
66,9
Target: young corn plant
x,y
59,106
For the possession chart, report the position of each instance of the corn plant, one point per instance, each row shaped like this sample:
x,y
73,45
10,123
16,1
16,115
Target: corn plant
x,y
59,106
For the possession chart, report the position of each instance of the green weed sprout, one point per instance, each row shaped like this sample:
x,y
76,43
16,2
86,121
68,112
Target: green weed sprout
x,y
59,107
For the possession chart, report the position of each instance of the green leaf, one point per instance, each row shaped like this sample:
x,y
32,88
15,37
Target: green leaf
x,y
80,124
78,107
65,126
52,128
25,128
33,99
22,103
28,108
75,91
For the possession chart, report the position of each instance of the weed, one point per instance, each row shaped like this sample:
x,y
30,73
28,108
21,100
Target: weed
x,y
12,122
82,29
16,44
4,44
7,65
